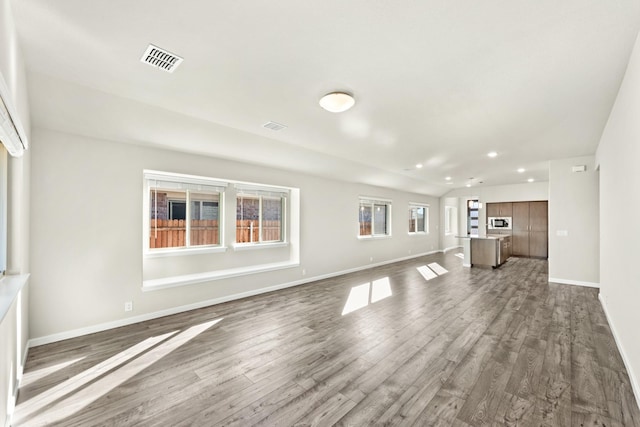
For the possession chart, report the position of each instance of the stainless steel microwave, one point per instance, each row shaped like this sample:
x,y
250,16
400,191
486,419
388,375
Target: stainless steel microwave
x,y
499,223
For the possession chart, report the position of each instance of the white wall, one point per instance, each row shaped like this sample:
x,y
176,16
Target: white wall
x,y
13,325
617,156
504,193
574,209
86,231
492,194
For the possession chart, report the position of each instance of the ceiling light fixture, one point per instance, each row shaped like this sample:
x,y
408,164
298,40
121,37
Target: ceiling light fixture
x,y
337,102
419,166
530,180
492,154
521,170
448,178
468,185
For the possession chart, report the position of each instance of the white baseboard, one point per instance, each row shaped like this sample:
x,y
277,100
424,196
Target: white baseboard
x,y
574,282
632,377
47,339
450,248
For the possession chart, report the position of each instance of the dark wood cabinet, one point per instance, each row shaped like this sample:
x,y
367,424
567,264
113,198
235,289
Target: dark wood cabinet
x,y
499,209
530,229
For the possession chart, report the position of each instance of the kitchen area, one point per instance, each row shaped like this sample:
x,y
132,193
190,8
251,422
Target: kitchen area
x,y
503,230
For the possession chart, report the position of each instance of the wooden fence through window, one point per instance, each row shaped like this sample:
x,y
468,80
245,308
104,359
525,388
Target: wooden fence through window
x,y
171,233
365,228
248,231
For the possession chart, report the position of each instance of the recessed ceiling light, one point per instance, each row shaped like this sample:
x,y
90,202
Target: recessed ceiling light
x,y
419,165
530,180
521,170
468,185
337,102
448,178
492,154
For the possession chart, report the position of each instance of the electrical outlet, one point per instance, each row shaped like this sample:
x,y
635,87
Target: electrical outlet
x,y
370,259
304,271
128,306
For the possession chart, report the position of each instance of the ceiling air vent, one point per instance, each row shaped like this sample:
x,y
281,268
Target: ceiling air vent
x,y
161,59
274,126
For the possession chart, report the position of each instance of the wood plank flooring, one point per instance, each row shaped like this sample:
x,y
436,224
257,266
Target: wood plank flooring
x,y
471,347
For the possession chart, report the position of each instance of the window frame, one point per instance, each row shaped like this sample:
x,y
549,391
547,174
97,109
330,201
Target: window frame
x,y
261,192
425,207
373,202
186,184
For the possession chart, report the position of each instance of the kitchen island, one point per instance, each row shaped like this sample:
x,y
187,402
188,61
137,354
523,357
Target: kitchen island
x,y
492,250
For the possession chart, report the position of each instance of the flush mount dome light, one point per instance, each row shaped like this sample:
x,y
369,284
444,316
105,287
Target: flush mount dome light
x,y
337,102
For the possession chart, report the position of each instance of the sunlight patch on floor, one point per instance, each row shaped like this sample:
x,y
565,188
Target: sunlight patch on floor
x,y
380,289
432,271
68,398
39,374
359,296
426,272
438,269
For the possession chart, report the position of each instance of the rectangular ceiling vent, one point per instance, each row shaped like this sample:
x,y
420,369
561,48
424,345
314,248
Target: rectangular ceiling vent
x,y
274,126
161,59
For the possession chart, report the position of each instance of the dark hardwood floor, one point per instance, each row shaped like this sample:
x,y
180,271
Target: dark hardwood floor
x,y
469,347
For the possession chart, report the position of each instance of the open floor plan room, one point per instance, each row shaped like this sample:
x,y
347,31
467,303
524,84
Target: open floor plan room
x,y
383,346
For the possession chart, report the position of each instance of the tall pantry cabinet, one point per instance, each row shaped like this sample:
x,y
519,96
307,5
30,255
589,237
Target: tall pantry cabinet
x,y
530,229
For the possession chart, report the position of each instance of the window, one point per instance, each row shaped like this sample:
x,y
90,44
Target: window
x,y
418,218
260,215
472,217
374,218
450,220
184,211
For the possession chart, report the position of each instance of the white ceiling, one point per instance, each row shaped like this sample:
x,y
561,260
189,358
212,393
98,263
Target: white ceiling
x,y
436,82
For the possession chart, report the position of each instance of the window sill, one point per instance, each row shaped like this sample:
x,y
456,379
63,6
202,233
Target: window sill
x,y
185,251
10,287
252,246
378,237
192,279
418,233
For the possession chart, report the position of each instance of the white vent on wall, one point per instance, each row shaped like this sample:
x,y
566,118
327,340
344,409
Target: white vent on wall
x,y
579,168
12,135
274,126
160,58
